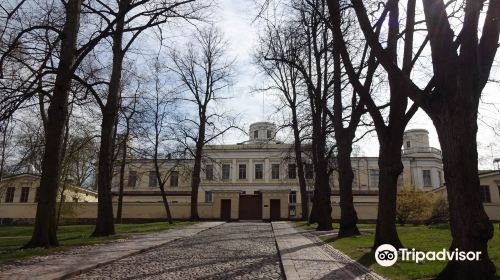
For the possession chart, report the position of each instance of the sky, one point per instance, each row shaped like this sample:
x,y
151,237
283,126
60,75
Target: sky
x,y
236,21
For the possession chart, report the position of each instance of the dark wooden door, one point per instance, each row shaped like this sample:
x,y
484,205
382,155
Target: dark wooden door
x,y
275,209
250,207
225,209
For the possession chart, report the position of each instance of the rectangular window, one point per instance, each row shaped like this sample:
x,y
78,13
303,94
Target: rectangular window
x,y
292,211
9,195
309,171
485,193
374,177
208,197
292,171
25,192
426,174
174,179
153,179
440,178
226,171
292,197
269,134
256,134
242,171
132,179
408,145
259,171
275,171
209,172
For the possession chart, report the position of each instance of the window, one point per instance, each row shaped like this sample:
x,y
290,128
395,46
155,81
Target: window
x,y
9,195
226,168
275,171
174,179
309,171
292,211
269,134
408,144
25,192
292,197
208,197
132,179
374,176
242,171
153,180
258,171
292,172
209,172
426,174
440,177
485,194
256,134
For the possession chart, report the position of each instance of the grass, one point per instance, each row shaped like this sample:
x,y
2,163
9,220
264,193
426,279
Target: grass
x,y
421,238
12,238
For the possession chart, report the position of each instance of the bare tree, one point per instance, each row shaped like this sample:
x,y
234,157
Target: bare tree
x,y
461,64
286,79
205,73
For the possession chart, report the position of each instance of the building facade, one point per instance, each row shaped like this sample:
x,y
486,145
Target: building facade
x,y
257,179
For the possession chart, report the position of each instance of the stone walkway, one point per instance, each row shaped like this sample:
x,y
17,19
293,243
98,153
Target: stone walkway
x,y
230,251
62,265
209,250
304,256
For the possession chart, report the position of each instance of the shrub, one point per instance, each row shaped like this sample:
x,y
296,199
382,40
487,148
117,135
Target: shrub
x,y
440,212
413,206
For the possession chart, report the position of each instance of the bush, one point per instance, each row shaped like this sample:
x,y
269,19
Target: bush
x,y
440,212
413,206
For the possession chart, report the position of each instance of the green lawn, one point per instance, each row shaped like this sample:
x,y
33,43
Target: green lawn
x,y
422,238
14,237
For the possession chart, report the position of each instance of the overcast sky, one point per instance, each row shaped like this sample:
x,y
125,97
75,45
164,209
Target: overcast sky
x,y
235,20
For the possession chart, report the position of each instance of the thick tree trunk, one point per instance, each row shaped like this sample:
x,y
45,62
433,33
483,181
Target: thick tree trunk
x,y
300,166
390,166
119,209
44,232
348,215
322,186
105,221
195,177
470,226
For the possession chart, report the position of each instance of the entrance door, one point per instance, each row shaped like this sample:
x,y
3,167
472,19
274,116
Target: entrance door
x,y
250,207
225,209
275,209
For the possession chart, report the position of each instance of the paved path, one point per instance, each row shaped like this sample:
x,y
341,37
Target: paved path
x,y
230,251
70,263
304,256
210,250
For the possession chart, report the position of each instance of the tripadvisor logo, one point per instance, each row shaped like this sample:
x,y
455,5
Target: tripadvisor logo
x,y
387,255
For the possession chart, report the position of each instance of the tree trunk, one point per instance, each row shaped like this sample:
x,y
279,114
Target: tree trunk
x,y
44,232
195,180
165,202
348,215
105,220
322,186
390,167
195,183
122,179
300,166
470,226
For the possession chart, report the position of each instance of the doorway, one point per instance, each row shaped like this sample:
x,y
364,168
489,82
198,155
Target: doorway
x,y
225,209
275,210
250,207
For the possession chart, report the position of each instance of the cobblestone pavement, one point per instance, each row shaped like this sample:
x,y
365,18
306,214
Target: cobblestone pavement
x,y
229,251
304,256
